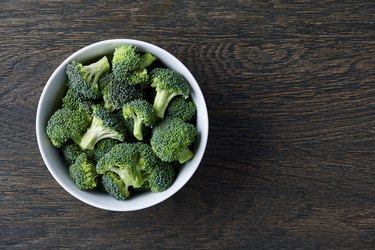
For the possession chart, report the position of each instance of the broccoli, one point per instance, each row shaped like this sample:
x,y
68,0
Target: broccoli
x,y
140,74
116,94
123,160
105,79
71,151
144,188
133,164
101,148
168,84
141,113
181,108
84,79
67,124
114,185
161,177
103,125
73,101
83,173
129,66
171,139
158,174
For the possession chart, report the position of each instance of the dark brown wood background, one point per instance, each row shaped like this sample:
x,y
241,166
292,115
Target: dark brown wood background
x,y
290,88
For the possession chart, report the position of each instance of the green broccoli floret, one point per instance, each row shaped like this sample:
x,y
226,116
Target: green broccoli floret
x,y
140,74
125,59
171,139
71,151
115,186
84,79
158,174
123,160
67,124
168,84
134,164
104,80
83,173
73,101
181,108
141,113
161,178
101,148
144,188
104,125
116,94
129,66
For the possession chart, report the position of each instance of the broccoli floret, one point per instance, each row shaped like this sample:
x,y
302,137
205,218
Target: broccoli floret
x,y
168,84
129,66
144,188
67,124
158,174
83,173
171,139
71,151
125,59
103,125
116,94
181,108
123,160
73,101
105,79
101,148
140,74
134,164
115,186
142,114
84,79
161,178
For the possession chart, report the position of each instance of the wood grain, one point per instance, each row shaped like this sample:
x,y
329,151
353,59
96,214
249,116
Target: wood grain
x,y
290,88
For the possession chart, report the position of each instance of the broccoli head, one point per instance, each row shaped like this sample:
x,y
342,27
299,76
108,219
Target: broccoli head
x,y
67,124
168,84
84,79
129,66
122,160
115,186
73,101
71,151
161,177
104,125
105,79
171,139
181,108
116,94
83,173
133,164
140,74
101,148
142,114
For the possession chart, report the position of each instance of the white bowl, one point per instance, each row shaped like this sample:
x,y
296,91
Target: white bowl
x,y
50,100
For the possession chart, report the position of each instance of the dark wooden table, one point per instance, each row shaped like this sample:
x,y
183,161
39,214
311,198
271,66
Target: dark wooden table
x,y
290,89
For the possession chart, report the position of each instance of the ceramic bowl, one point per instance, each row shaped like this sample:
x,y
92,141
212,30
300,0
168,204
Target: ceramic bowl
x,y
50,101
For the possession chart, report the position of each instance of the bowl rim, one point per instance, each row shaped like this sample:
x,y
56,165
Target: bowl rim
x,y
40,129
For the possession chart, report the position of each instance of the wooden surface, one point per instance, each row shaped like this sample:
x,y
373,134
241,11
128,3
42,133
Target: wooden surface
x,y
290,89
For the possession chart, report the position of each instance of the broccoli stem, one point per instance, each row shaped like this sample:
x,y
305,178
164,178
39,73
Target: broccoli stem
x,y
184,155
94,134
130,178
137,131
146,60
97,69
161,101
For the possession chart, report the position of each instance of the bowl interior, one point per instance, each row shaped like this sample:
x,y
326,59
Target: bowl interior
x,y
50,100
